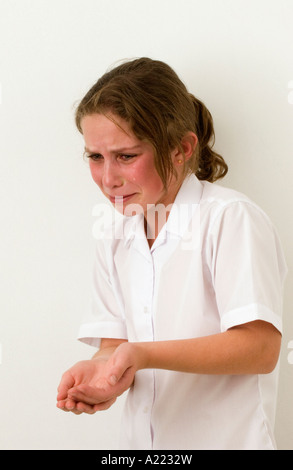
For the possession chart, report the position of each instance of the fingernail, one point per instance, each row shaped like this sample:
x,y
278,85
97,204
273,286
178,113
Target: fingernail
x,y
113,380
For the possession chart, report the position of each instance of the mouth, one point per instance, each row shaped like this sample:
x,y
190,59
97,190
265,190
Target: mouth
x,y
120,199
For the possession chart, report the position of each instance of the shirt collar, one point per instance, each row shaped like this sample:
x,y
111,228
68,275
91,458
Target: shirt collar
x,y
186,201
184,205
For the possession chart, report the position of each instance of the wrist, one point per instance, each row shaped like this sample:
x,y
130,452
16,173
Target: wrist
x,y
103,354
141,353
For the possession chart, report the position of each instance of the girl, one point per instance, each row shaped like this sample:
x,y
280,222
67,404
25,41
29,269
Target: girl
x,y
187,290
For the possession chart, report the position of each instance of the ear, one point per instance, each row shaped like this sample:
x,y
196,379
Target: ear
x,y
188,145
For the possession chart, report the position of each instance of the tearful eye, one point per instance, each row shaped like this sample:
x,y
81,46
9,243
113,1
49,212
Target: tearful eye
x,y
126,157
93,156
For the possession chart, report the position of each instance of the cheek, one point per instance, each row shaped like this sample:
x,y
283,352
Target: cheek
x,y
133,175
154,183
95,173
145,174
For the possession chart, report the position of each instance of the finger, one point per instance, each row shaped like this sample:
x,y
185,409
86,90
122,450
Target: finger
x,y
81,407
84,408
66,405
104,406
66,383
73,407
90,395
70,404
61,405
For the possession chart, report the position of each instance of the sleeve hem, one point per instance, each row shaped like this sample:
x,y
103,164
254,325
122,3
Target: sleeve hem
x,y
92,333
250,313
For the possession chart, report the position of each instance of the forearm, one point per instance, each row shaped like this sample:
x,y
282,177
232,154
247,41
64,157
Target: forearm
x,y
107,347
237,351
207,355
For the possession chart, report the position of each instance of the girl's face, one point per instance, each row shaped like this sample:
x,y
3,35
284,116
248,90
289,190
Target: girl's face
x,y
123,166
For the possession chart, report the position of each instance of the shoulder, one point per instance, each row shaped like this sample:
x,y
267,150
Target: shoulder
x,y
219,203
222,196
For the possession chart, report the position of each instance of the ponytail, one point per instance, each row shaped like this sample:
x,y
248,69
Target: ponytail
x,y
208,165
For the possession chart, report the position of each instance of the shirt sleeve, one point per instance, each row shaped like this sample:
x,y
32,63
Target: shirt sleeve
x,y
247,266
105,318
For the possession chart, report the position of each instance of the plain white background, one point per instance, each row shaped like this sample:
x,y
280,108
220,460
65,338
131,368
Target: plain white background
x,y
236,56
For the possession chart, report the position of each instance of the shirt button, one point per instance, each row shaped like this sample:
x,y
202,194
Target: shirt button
x,y
146,310
146,409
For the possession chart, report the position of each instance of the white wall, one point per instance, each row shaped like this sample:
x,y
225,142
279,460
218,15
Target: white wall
x,y
236,55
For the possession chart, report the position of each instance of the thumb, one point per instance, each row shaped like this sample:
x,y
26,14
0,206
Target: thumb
x,y
118,364
114,374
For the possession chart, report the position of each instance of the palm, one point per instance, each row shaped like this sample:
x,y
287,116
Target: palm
x,y
85,384
94,389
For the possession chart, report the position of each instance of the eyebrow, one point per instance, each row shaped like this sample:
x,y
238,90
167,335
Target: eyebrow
x,y
120,150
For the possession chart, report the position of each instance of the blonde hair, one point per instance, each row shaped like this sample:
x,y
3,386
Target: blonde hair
x,y
149,95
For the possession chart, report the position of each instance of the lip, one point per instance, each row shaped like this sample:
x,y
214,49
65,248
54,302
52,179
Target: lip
x,y
120,199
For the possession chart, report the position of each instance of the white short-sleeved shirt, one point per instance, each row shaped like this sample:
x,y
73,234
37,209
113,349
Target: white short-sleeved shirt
x,y
216,263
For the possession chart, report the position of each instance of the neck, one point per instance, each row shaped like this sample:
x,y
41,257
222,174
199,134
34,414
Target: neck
x,y
154,220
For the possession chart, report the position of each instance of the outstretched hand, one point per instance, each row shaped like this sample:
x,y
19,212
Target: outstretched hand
x,y
94,385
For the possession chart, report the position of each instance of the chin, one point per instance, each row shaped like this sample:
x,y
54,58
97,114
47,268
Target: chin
x,y
129,210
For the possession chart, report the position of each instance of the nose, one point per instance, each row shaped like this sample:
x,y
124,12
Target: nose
x,y
111,177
